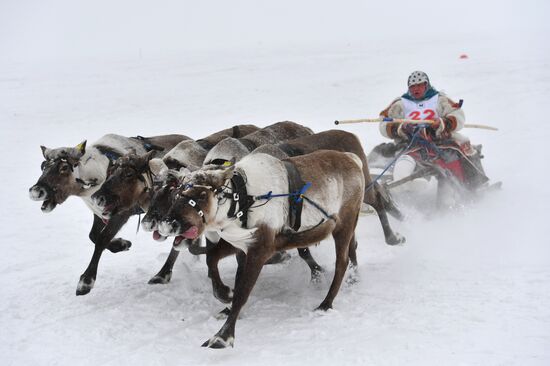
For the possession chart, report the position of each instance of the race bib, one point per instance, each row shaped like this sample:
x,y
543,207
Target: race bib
x,y
426,109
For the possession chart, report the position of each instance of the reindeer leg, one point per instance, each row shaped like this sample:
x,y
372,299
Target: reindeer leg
x,y
115,245
352,267
165,274
119,245
214,253
315,268
342,241
101,235
391,237
244,282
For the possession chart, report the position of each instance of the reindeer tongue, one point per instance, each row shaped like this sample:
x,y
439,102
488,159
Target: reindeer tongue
x,y
158,237
191,233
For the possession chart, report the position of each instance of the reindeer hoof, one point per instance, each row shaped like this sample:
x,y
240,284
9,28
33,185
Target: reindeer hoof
x,y
317,275
219,342
85,285
161,278
323,307
352,275
119,245
395,239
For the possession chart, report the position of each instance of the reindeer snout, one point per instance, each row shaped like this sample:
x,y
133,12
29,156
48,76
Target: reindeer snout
x,y
38,193
99,200
169,227
149,224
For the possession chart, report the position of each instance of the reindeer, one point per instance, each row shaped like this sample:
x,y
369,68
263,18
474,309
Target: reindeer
x,y
130,184
343,141
80,172
330,140
225,150
331,206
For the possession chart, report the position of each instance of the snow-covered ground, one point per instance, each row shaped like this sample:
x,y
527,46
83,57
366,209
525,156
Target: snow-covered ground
x,y
470,287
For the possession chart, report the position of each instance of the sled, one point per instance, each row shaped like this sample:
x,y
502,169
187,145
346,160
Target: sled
x,y
385,154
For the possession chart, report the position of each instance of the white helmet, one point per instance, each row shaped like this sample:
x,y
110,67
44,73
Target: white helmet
x,y
418,77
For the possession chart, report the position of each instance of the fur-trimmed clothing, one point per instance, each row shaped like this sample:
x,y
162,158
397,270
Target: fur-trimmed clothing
x,y
450,150
448,110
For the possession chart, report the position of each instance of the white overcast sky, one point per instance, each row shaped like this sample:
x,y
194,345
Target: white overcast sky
x,y
44,29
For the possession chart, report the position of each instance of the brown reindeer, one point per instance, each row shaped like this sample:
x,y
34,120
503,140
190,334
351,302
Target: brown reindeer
x,y
330,206
81,171
343,141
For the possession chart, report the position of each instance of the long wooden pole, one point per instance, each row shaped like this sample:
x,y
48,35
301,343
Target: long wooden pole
x,y
403,120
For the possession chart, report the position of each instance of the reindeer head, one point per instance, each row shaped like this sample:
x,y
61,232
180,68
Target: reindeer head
x,y
59,178
194,203
165,182
128,185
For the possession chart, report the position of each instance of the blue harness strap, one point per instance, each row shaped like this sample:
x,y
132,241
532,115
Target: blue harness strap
x,y
414,138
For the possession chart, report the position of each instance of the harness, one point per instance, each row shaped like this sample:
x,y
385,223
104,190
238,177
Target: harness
x,y
297,189
111,154
241,202
295,203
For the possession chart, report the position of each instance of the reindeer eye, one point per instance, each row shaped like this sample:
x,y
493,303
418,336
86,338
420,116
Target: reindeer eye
x,y
129,174
63,168
203,195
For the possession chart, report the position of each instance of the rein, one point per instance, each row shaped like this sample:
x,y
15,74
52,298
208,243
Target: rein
x,y
415,136
239,196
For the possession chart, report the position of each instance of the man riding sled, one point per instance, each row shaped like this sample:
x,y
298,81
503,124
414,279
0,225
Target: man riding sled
x,y
437,144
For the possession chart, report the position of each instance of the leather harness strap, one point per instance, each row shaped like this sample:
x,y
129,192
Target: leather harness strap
x,y
111,154
240,197
295,183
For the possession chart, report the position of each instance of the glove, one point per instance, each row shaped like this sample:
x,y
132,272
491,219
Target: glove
x,y
405,130
438,126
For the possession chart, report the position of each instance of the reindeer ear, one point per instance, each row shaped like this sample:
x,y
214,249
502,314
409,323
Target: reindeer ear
x,y
228,172
45,151
81,148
